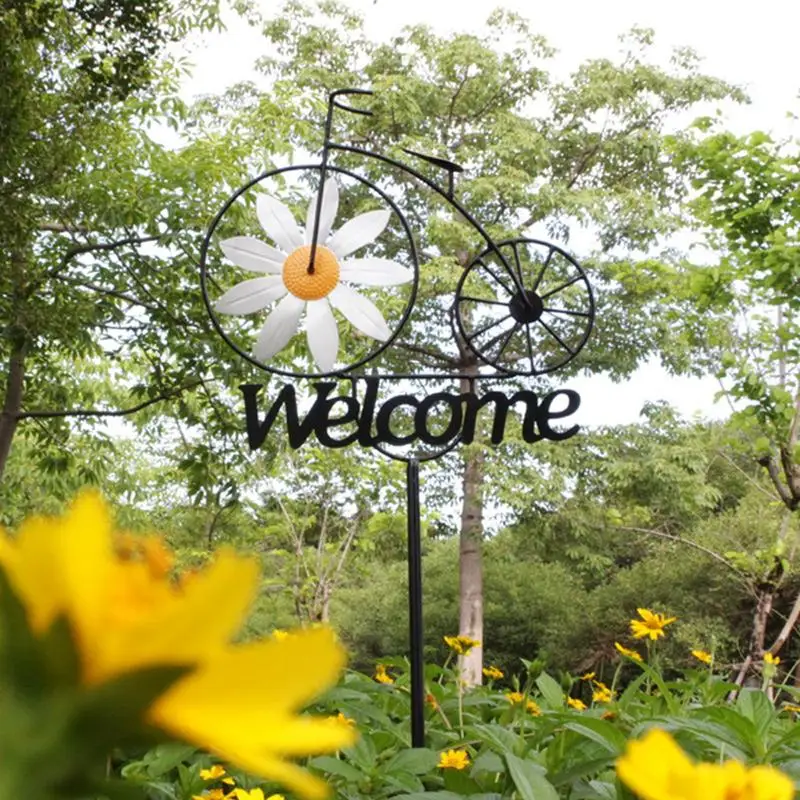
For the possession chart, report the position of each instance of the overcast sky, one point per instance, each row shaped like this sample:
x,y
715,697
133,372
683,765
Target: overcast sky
x,y
756,47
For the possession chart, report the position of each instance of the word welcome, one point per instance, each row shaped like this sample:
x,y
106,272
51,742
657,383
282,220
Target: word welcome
x,y
437,418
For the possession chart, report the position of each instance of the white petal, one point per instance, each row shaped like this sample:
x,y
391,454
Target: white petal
x,y
361,312
252,254
280,326
375,272
359,231
279,223
323,335
330,205
249,296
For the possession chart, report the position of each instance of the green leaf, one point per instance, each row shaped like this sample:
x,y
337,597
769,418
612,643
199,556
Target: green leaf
x,y
336,766
417,761
551,691
529,779
600,731
115,711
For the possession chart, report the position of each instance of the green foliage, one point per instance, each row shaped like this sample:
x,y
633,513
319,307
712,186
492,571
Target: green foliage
x,y
531,746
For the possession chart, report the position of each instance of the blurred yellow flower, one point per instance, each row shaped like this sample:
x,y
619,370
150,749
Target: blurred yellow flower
x,y
588,676
533,708
343,720
453,759
214,772
702,655
493,673
602,696
127,617
601,693
461,644
791,707
515,697
650,624
381,675
656,768
431,701
253,794
578,705
626,652
280,634
212,794
771,659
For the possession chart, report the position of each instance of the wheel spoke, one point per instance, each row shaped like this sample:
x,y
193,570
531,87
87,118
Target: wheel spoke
x,y
495,276
518,265
506,341
556,337
465,298
565,311
563,286
493,324
530,348
542,270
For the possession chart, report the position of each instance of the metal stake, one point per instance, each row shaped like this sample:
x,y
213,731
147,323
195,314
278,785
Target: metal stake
x,y
415,605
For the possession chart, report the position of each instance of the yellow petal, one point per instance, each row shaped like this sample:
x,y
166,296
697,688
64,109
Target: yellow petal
x,y
201,618
655,767
290,775
278,675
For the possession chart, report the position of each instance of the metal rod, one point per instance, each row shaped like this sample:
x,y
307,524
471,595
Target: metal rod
x,y
415,605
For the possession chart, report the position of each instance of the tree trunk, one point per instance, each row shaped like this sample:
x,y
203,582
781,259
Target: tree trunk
x,y
12,404
471,561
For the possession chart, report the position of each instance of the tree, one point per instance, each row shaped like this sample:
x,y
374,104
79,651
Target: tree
x,y
594,157
100,222
748,209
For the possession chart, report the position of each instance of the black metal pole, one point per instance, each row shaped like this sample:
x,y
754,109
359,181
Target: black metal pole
x,y
415,605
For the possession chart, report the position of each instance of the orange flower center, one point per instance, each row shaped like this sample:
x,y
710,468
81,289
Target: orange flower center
x,y
311,282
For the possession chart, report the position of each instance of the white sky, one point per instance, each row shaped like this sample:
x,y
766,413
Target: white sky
x,y
753,46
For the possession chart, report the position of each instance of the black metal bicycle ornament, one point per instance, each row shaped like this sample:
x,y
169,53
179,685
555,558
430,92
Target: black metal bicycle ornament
x,y
522,308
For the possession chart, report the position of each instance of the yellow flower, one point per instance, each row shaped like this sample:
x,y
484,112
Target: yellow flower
x,y
650,624
126,617
493,673
515,697
253,794
381,675
533,708
461,644
217,771
655,768
771,659
702,655
602,694
578,705
280,634
343,720
213,794
431,701
453,759
629,653
791,707
589,676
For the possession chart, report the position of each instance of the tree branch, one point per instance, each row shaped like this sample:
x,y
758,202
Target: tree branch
x,y
772,469
121,412
423,351
105,290
80,249
680,540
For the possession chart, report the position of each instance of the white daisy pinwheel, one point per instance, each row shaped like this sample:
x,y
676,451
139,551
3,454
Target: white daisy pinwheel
x,y
299,285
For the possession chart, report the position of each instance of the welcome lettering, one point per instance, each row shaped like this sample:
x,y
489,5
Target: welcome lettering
x,y
328,416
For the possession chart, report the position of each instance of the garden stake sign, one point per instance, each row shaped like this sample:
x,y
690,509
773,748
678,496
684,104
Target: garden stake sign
x,y
522,308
